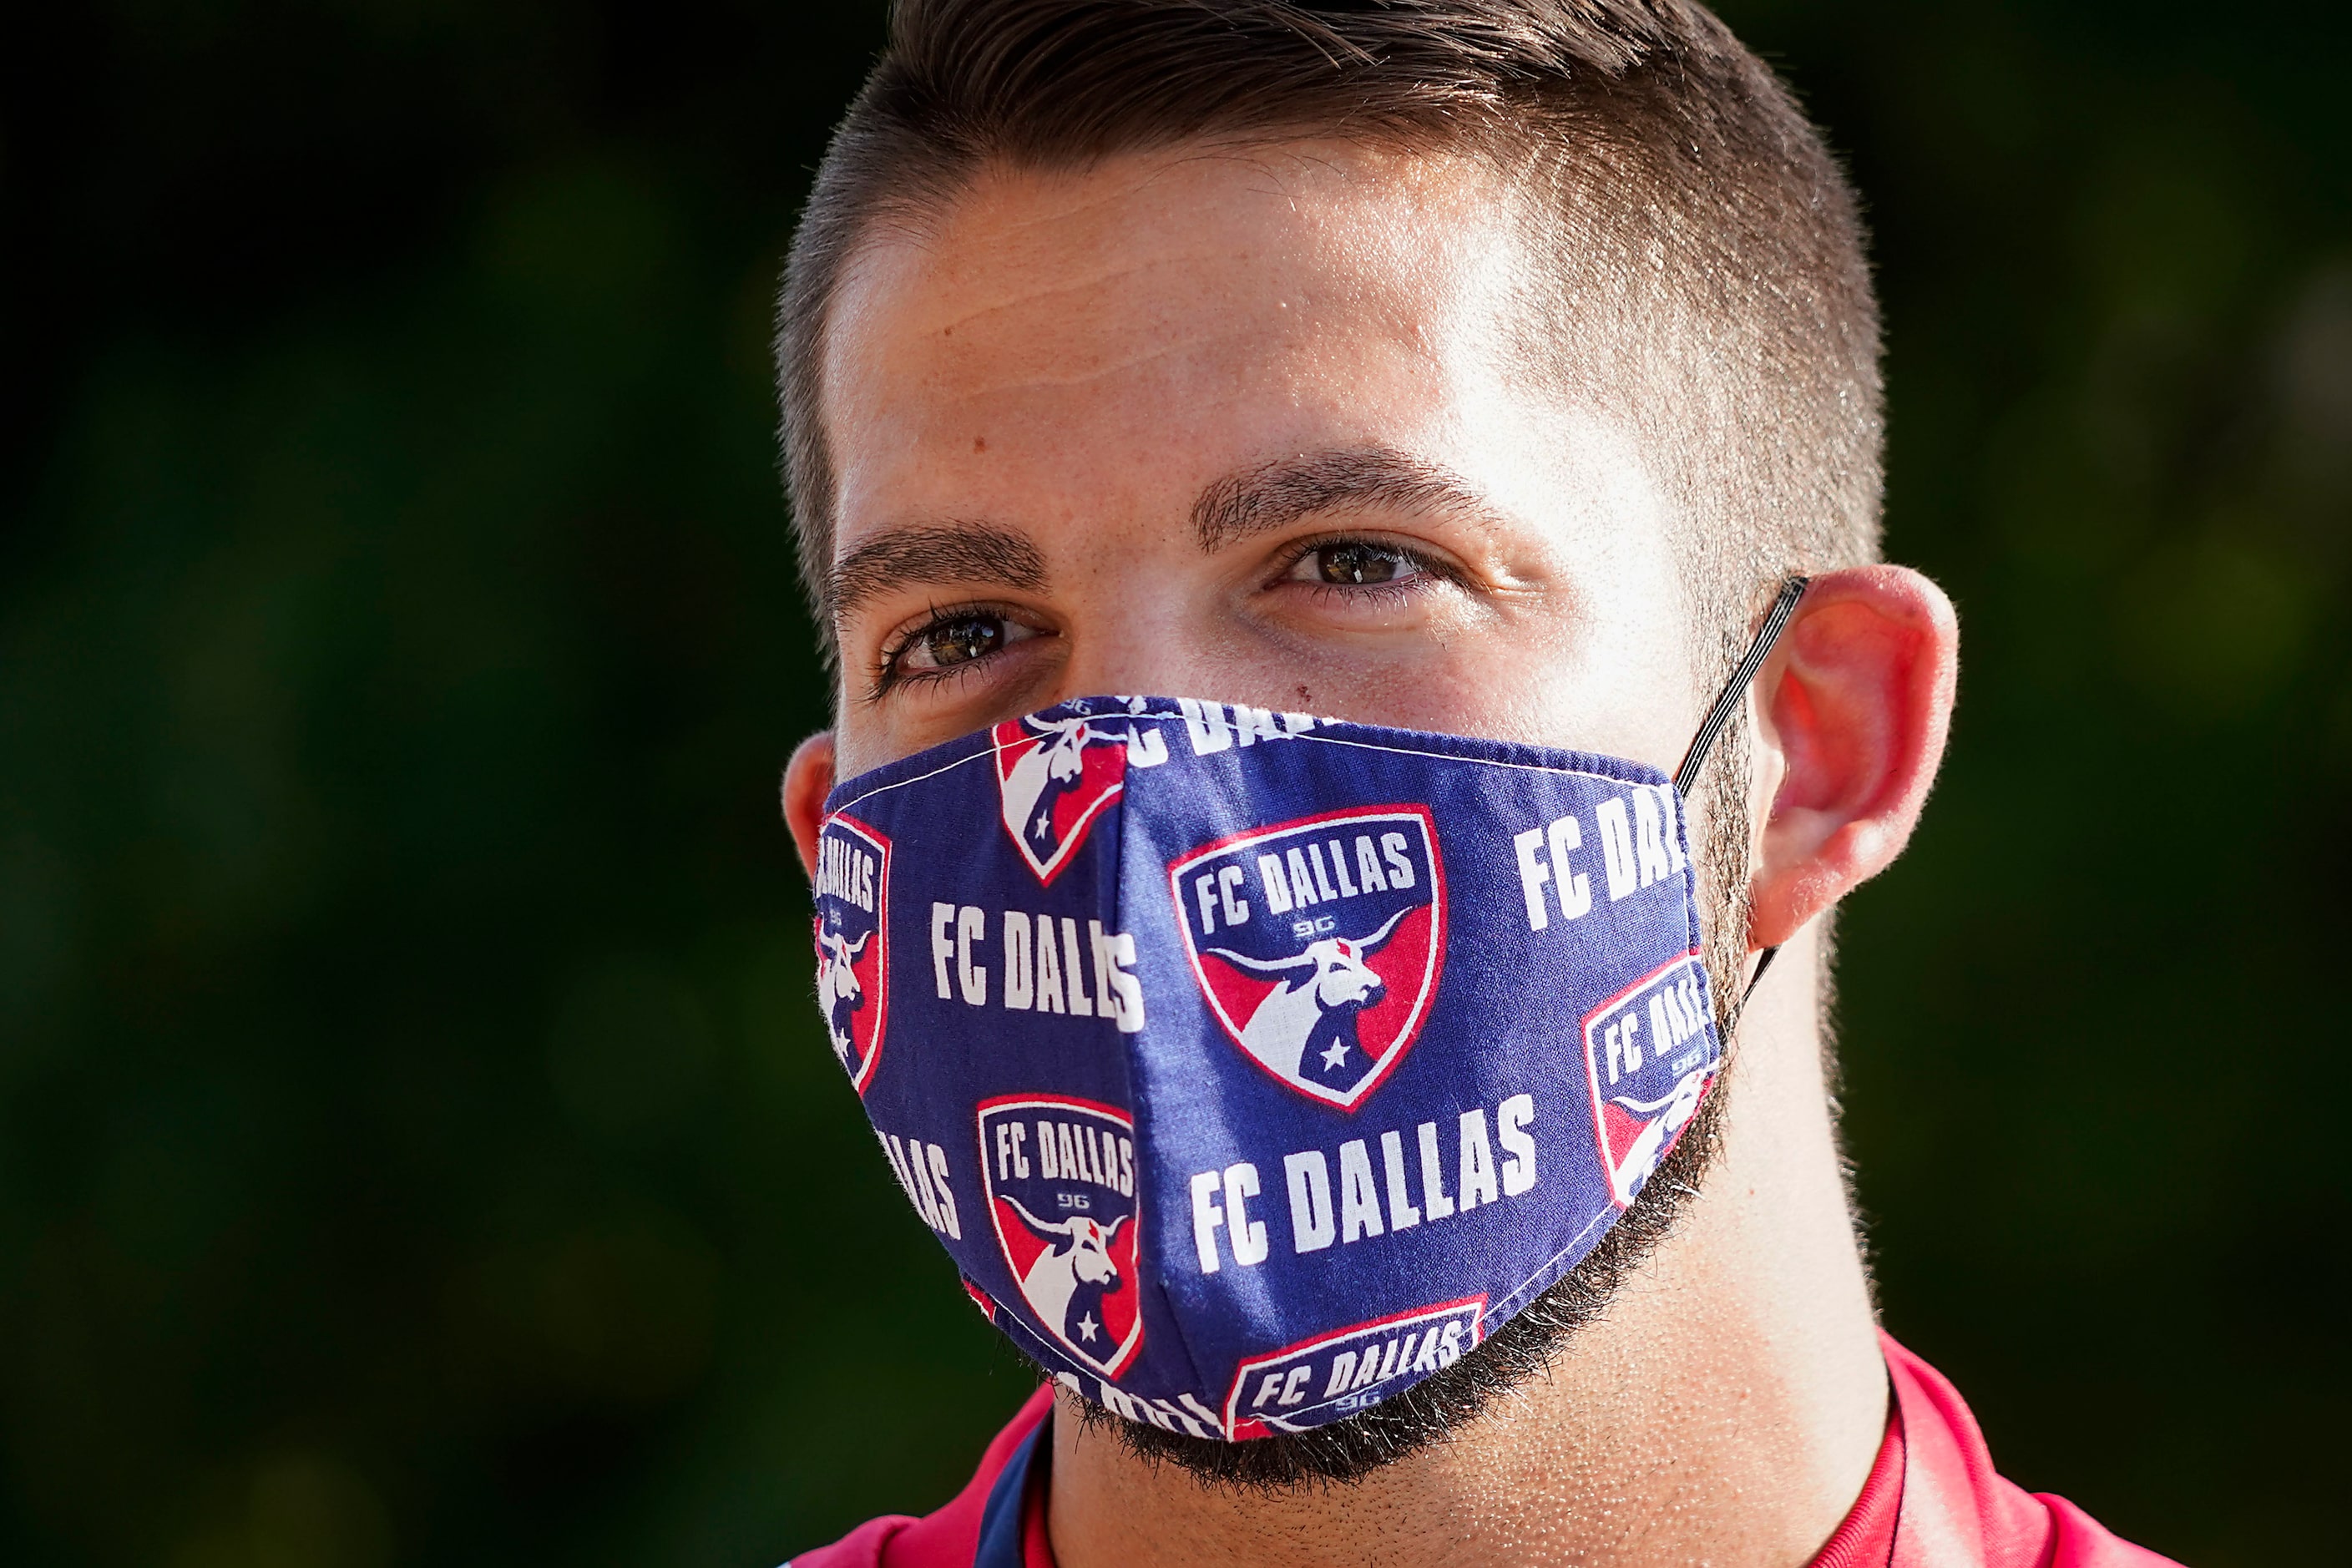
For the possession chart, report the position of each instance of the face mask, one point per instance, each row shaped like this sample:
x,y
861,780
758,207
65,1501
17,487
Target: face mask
x,y
1253,1066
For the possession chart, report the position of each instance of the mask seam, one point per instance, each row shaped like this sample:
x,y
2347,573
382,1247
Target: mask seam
x,y
1550,1270
919,778
1488,762
988,748
1130,1049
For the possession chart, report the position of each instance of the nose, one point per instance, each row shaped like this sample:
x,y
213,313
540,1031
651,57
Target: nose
x,y
1165,626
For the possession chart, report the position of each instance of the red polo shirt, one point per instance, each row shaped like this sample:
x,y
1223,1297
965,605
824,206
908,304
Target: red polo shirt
x,y
1932,1501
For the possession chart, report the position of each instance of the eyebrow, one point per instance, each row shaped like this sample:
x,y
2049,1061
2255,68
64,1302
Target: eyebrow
x,y
937,552
1256,500
1277,494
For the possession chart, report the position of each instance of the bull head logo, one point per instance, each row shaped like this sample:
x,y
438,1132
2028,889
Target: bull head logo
x,y
853,942
1044,1154
1077,1259
1306,1027
1055,777
838,991
1666,1116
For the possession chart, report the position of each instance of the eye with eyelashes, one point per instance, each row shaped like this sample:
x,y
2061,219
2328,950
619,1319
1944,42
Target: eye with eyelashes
x,y
1355,565
951,640
1358,563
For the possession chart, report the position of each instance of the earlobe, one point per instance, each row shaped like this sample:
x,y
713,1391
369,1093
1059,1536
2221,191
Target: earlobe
x,y
1852,711
808,779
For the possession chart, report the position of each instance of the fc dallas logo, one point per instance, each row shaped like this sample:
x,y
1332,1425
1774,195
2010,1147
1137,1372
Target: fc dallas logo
x,y
1318,942
1650,1055
1060,1174
1292,1389
853,942
1056,776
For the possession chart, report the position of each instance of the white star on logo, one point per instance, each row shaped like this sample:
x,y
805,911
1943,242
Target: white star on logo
x,y
1086,1328
1045,829
1336,1055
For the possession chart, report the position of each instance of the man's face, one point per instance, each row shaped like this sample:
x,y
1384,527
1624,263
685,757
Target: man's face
x,y
1248,426
1267,427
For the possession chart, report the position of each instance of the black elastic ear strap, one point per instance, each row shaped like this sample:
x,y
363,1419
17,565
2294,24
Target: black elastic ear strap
x,y
1735,691
1736,688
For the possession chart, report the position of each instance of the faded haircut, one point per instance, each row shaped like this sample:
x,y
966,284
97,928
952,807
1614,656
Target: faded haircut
x,y
1700,250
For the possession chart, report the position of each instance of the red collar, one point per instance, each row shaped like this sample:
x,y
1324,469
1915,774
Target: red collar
x,y
1932,1501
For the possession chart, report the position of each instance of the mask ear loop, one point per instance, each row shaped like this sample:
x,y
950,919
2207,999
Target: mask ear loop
x,y
1735,692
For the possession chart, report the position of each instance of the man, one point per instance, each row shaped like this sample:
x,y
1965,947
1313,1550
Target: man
x,y
1481,368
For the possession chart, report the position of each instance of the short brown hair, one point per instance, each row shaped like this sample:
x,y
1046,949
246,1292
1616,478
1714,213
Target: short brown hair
x,y
1692,209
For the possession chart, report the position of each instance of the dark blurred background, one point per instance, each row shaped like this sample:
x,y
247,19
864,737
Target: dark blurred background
x,y
416,1144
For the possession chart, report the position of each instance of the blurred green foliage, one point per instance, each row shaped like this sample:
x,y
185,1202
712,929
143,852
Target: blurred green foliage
x,y
415,1141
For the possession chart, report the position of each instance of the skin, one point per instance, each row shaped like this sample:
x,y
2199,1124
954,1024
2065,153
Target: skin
x,y
1069,363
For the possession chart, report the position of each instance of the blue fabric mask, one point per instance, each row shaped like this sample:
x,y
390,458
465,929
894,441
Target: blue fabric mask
x,y
1253,1066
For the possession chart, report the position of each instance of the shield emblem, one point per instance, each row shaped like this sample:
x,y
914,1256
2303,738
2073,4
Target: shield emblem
x,y
1060,1177
853,942
1054,777
1650,1055
1336,1374
1319,944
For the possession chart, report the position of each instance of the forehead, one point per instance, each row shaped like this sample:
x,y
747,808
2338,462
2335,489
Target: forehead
x,y
1150,320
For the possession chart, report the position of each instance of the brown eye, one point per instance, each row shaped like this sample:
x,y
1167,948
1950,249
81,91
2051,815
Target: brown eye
x,y
960,640
1358,563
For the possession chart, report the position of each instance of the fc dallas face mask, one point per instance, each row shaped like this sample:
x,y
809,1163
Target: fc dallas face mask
x,y
1253,1066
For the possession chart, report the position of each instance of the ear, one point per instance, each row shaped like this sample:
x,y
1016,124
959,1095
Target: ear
x,y
1852,713
808,779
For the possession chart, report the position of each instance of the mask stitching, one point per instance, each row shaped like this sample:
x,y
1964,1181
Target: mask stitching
x,y
1165,719
1200,1383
